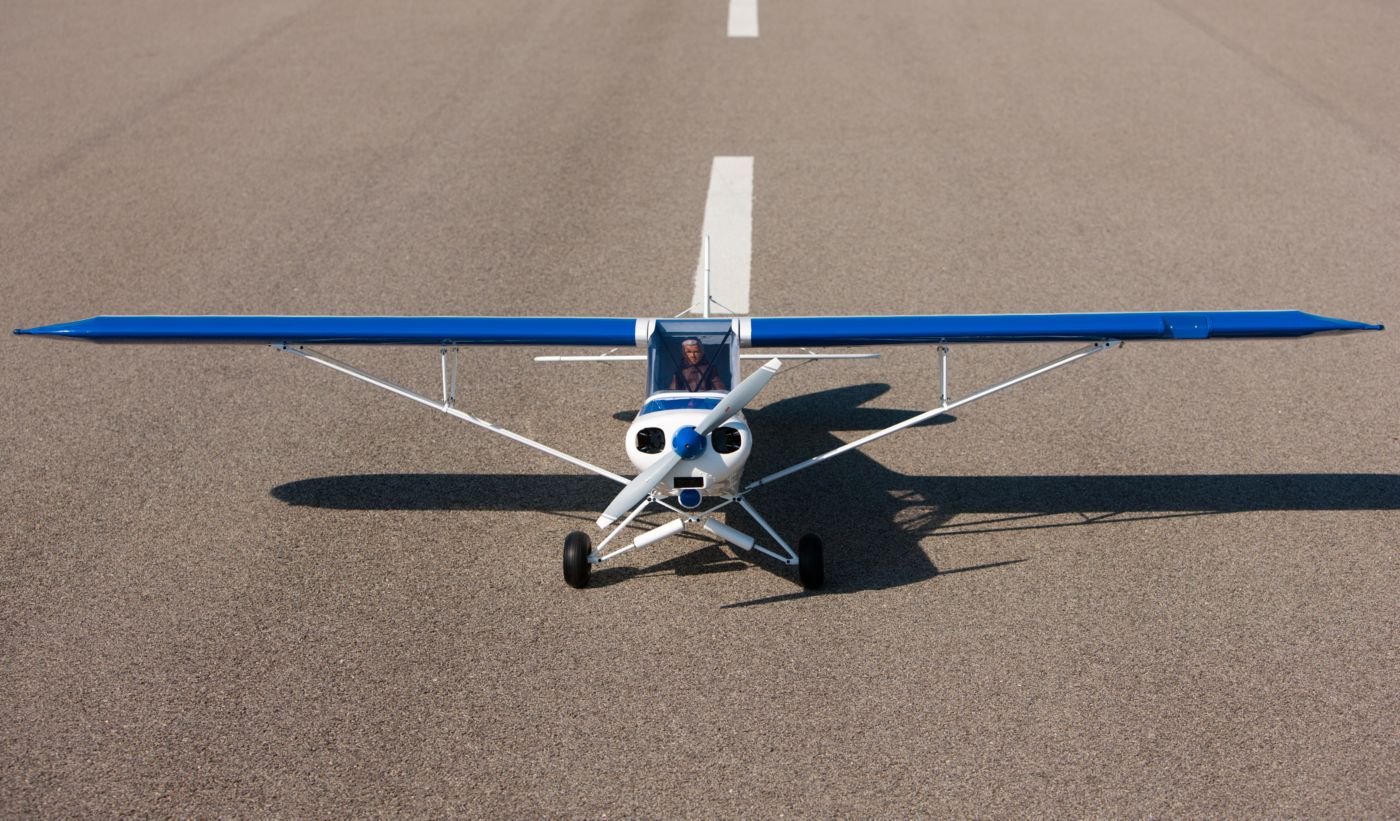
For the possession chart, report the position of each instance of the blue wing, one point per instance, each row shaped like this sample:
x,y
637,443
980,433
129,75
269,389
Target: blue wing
x,y
350,330
813,332
767,332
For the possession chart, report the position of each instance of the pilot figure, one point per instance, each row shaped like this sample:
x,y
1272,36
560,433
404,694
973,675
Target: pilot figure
x,y
696,374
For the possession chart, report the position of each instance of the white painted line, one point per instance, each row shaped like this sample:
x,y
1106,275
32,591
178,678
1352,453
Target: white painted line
x,y
743,18
729,225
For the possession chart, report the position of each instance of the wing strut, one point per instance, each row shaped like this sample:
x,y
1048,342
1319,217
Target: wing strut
x,y
449,387
1088,350
449,391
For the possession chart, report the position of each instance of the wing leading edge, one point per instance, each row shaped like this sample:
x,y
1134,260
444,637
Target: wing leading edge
x,y
766,332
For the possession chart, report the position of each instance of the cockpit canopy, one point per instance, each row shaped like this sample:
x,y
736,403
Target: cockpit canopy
x,y
672,364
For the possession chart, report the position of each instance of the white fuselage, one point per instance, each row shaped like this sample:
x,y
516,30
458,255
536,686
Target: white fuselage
x,y
718,472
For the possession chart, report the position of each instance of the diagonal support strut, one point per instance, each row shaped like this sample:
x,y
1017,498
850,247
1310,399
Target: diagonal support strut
x,y
444,406
1086,351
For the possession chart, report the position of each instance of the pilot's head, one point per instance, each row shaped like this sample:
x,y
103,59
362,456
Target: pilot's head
x,y
693,351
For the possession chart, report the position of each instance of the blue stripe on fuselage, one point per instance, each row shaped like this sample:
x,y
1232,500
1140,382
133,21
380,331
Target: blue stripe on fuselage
x,y
666,403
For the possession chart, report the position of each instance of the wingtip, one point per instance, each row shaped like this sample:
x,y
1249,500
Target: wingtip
x,y
1327,323
604,521
60,329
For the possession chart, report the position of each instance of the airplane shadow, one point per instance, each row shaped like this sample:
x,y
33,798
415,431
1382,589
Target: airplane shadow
x,y
881,545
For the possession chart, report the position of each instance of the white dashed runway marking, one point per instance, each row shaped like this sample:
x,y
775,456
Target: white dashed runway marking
x,y
729,225
743,18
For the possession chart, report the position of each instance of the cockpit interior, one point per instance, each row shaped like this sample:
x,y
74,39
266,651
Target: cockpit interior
x,y
692,356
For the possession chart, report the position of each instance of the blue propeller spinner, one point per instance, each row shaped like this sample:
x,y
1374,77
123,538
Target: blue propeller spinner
x,y
688,443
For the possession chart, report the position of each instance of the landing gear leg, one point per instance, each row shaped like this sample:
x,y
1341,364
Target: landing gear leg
x,y
807,556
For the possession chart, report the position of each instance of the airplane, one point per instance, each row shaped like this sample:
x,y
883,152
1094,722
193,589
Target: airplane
x,y
689,442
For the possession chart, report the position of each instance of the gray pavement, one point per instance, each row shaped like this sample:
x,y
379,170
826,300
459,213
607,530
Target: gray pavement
x,y
1162,582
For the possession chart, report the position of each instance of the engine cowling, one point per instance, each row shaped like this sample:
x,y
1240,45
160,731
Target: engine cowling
x,y
717,466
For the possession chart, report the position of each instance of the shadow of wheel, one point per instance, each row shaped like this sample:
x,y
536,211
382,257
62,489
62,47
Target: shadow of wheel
x,y
810,568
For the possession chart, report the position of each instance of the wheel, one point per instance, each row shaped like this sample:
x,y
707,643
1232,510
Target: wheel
x,y
576,549
809,562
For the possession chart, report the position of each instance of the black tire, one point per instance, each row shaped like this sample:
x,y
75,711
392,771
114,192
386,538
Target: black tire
x,y
576,549
809,562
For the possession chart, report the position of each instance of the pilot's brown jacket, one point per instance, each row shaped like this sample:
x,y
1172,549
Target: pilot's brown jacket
x,y
690,378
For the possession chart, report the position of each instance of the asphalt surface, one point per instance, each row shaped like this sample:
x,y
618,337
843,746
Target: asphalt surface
x,y
1160,582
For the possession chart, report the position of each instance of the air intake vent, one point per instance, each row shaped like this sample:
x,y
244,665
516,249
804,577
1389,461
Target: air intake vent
x,y
651,440
726,440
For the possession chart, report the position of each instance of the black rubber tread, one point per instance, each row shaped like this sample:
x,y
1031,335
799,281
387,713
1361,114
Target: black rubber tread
x,y
577,546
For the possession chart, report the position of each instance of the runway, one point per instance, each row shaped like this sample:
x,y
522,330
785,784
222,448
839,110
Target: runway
x,y
1162,582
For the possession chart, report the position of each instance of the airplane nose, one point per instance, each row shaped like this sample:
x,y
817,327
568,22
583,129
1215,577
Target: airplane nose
x,y
687,443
